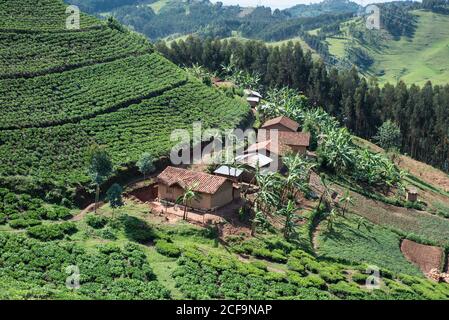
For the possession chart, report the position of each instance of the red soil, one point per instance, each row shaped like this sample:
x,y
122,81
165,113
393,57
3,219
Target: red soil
x,y
425,257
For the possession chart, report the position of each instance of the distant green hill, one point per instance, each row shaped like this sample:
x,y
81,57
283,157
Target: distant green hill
x,y
415,59
327,6
61,91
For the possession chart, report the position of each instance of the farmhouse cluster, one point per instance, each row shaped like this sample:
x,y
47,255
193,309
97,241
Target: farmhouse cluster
x,y
221,188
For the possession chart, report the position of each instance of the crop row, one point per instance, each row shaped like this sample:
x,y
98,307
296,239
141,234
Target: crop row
x,y
82,93
30,54
57,154
38,15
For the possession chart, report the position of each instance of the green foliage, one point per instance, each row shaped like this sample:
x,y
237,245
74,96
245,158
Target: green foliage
x,y
389,136
167,249
23,223
100,164
369,244
96,221
114,196
146,163
108,272
48,232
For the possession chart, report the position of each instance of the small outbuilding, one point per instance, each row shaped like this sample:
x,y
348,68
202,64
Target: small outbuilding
x,y
213,191
253,101
412,195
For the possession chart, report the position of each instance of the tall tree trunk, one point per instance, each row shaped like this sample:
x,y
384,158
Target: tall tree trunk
x,y
97,197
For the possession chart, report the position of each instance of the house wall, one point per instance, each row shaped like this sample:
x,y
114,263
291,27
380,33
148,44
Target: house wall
x,y
277,126
299,149
172,193
223,196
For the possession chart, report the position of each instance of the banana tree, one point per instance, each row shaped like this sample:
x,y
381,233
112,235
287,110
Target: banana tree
x,y
187,197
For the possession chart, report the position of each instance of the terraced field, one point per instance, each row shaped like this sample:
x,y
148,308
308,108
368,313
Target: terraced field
x,y
63,90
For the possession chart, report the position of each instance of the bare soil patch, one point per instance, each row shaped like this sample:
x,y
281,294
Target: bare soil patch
x,y
424,256
90,208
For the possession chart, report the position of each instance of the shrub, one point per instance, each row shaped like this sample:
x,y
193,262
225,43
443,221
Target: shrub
x,y
359,277
3,218
48,232
61,212
346,290
167,249
330,275
96,221
108,234
23,223
295,265
260,265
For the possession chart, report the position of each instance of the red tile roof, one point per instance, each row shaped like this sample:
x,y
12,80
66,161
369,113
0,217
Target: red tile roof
x,y
285,121
294,138
199,181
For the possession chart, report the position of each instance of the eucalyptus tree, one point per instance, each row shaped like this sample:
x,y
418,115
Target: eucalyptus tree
x,y
146,164
100,168
114,196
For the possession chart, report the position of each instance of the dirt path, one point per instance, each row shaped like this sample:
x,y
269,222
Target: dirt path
x,y
90,208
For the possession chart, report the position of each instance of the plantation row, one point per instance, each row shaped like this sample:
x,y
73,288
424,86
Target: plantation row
x,y
213,276
108,272
79,94
28,54
56,155
38,15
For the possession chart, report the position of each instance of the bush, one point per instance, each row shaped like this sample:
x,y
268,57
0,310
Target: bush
x,y
61,212
167,249
23,223
48,232
295,265
96,221
359,277
108,234
330,275
346,290
3,218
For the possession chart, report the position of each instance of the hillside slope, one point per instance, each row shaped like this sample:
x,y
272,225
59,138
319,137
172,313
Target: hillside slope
x,y
62,91
414,59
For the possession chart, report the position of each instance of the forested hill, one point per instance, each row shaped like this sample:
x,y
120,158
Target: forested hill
x,y
61,91
172,18
327,6
360,104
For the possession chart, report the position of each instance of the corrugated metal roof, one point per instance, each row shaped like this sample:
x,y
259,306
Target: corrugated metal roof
x,y
199,181
250,92
252,159
229,171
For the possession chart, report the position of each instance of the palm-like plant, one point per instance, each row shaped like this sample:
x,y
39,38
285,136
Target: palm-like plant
x,y
331,218
288,212
346,200
297,178
187,197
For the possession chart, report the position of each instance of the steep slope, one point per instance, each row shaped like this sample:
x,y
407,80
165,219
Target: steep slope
x,y
63,90
414,59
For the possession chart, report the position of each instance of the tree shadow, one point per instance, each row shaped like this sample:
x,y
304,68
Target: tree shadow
x,y
137,230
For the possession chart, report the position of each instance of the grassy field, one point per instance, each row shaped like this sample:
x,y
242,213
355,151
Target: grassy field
x,y
364,243
414,60
158,5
